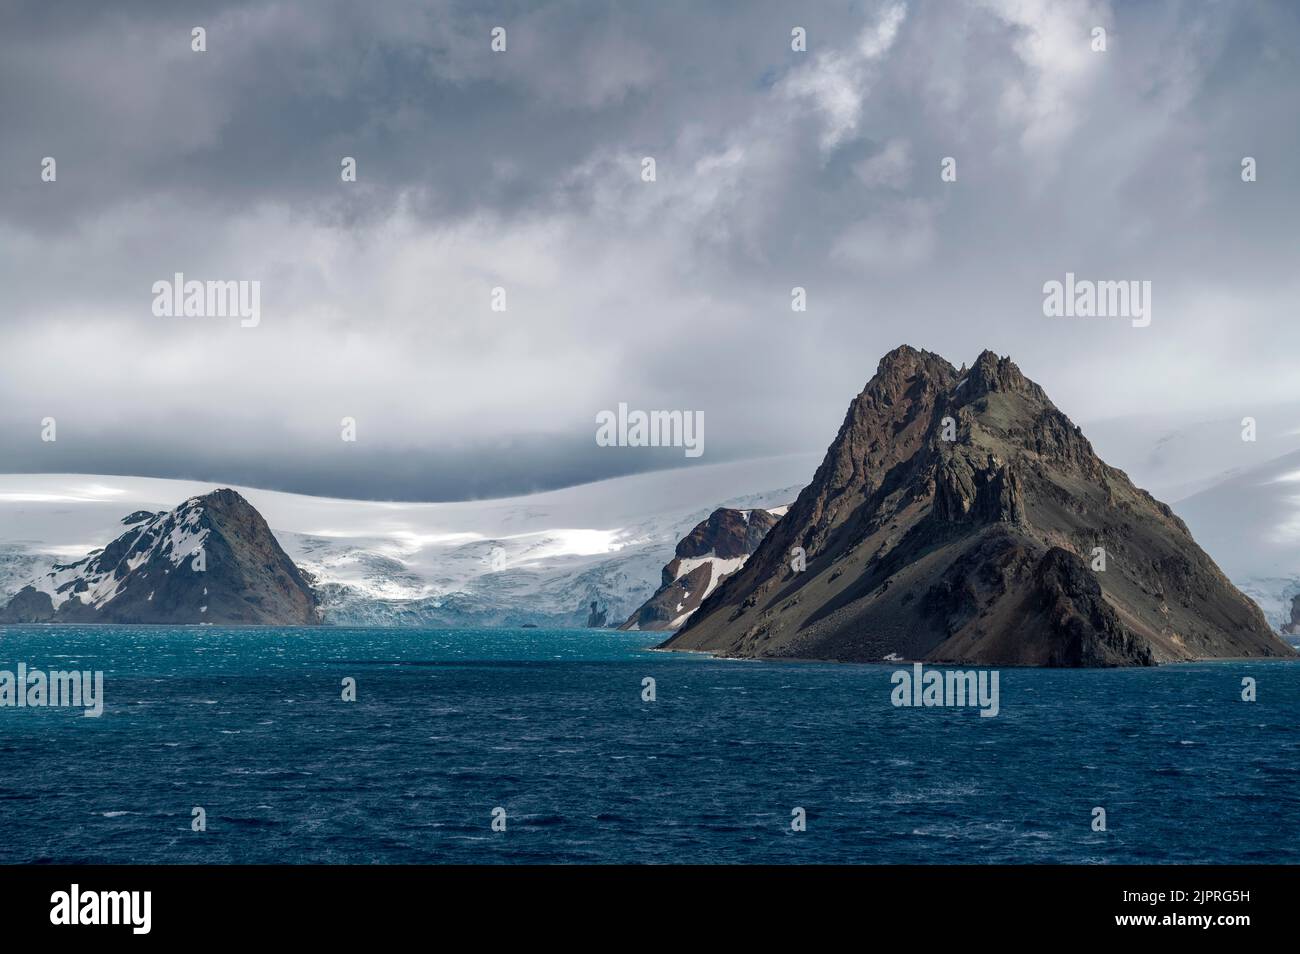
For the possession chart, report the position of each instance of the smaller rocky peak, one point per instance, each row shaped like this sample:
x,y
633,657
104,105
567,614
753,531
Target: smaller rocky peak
x,y
140,516
991,373
905,363
726,533
223,500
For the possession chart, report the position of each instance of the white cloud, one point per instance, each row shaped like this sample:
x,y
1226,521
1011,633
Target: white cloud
x,y
901,235
775,169
1053,43
838,82
891,167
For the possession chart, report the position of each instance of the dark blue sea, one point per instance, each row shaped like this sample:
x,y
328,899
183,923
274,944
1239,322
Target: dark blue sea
x,y
448,725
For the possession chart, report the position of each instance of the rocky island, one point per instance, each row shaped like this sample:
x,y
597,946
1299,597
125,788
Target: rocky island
x,y
959,516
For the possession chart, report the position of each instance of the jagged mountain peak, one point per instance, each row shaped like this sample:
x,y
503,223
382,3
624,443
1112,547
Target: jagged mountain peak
x,y
905,359
138,516
960,517
992,374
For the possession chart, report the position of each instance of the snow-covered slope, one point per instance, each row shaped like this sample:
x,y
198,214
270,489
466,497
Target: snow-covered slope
x,y
541,558
171,537
212,560
1250,524
1176,456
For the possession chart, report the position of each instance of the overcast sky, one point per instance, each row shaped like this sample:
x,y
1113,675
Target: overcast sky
x,y
523,169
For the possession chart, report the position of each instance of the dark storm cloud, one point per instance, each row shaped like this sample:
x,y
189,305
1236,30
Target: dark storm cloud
x,y
522,169
411,89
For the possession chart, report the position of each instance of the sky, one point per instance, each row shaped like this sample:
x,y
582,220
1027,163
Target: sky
x,y
523,170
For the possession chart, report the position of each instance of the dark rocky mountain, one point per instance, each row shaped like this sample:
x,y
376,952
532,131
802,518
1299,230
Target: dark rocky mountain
x,y
211,560
717,546
976,549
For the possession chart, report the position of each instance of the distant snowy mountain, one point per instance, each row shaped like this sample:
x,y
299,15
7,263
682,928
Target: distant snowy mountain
x,y
1176,456
539,559
1251,524
211,560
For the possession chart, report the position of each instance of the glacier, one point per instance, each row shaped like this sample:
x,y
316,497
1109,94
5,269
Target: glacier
x,y
538,559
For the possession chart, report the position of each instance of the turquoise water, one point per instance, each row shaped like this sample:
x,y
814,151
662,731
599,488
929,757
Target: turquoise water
x,y
551,726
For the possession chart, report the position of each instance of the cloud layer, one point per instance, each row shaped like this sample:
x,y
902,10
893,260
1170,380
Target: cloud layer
x,y
522,170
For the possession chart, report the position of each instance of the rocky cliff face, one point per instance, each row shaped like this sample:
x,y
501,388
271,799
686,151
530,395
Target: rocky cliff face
x,y
596,617
211,560
714,548
960,517
1292,626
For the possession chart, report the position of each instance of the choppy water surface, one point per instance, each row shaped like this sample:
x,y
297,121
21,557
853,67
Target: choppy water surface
x,y
551,726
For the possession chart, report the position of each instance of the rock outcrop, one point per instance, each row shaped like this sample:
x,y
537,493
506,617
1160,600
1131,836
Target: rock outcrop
x,y
595,617
716,547
959,516
1292,626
